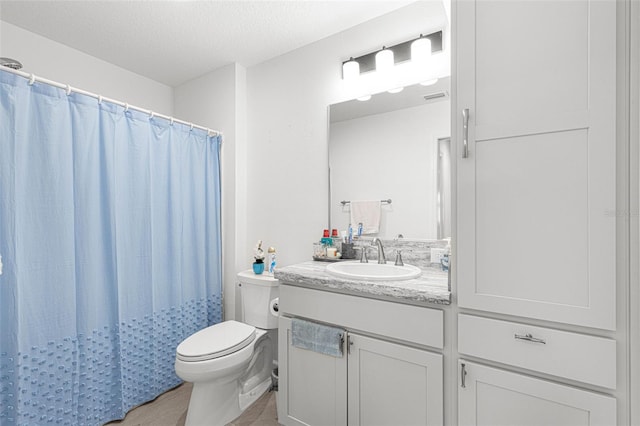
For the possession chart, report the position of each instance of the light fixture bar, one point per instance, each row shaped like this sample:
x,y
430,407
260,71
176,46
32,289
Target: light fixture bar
x,y
401,52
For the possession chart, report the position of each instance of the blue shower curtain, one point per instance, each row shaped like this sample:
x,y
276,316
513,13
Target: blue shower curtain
x,y
111,251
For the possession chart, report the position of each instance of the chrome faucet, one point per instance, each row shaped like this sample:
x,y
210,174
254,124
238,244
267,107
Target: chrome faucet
x,y
381,257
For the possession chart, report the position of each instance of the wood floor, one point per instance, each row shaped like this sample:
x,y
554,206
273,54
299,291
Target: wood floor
x,y
170,409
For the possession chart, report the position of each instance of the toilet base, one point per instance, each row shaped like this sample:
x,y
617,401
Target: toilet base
x,y
213,403
246,399
217,404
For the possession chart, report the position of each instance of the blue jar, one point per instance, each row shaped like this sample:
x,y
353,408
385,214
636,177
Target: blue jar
x,y
258,268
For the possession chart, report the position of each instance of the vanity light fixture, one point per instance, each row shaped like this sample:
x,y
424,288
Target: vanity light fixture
x,y
393,55
384,60
350,70
421,50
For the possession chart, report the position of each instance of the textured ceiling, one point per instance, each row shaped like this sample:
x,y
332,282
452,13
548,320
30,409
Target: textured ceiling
x,y
176,41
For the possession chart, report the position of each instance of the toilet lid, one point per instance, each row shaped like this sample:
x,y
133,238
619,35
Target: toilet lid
x,y
216,341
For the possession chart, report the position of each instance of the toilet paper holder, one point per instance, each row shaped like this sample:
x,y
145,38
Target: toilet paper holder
x,y
273,306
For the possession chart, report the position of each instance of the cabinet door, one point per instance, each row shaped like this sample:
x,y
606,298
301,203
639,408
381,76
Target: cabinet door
x,y
495,397
536,192
390,384
312,386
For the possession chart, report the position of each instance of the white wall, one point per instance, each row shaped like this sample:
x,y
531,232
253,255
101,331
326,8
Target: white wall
x,y
287,128
218,100
390,155
55,61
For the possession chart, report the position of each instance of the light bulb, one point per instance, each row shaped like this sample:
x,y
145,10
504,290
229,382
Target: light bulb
x,y
364,98
429,82
396,90
421,50
350,70
384,60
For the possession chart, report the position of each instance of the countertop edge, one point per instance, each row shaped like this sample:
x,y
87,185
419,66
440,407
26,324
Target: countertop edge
x,y
418,291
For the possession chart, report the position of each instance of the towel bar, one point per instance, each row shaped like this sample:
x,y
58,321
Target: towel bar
x,y
345,202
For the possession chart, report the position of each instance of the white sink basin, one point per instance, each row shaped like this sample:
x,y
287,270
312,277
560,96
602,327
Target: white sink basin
x,y
373,271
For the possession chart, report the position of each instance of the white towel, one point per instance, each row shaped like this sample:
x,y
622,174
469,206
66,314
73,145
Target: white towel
x,y
367,213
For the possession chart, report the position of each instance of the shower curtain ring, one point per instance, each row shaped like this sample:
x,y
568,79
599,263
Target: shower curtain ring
x,y
126,107
68,90
151,114
190,126
171,121
32,79
99,99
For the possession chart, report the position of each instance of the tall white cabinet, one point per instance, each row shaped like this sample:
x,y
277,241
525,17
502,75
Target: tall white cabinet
x,y
536,202
536,191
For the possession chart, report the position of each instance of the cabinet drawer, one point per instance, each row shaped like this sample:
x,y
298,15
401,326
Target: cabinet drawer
x,y
415,324
574,356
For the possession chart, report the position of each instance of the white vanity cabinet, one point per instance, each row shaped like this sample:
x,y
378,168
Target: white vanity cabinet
x,y
312,387
380,379
392,384
536,183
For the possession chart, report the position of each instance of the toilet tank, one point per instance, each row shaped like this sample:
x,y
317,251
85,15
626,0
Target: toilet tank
x,y
257,293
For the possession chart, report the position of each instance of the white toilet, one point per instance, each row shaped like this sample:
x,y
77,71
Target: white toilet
x,y
230,363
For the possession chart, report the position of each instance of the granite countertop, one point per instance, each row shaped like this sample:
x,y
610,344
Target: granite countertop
x,y
430,287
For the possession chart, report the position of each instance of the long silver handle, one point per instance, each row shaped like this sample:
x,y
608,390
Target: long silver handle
x,y
341,337
349,344
529,338
463,375
465,133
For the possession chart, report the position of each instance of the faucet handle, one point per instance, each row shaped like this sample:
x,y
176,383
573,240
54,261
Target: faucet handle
x,y
363,254
399,261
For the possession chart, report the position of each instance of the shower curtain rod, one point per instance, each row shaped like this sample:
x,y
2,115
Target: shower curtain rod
x,y
33,78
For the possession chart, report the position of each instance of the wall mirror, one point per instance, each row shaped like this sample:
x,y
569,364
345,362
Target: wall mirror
x,y
395,146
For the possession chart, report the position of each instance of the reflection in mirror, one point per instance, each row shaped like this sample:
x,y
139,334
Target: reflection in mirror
x,y
394,146
444,188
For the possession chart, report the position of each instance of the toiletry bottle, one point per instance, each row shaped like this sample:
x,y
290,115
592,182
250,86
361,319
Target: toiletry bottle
x,y
272,259
326,239
444,260
335,239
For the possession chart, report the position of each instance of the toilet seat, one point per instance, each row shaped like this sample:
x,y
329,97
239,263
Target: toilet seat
x,y
216,341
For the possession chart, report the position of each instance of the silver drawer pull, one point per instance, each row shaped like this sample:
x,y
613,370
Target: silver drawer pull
x,y
463,375
465,133
529,338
